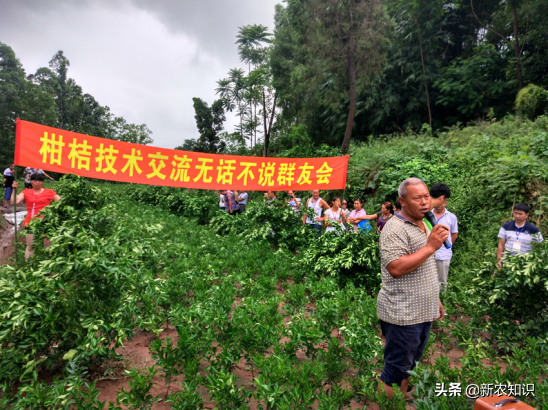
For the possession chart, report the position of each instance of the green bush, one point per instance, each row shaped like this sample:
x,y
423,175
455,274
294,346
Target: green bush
x,y
514,297
532,101
349,257
200,204
276,223
83,296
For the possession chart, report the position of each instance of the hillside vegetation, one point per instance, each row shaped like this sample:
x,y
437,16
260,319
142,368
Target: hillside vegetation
x,y
256,292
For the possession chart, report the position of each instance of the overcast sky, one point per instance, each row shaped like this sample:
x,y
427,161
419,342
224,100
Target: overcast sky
x,y
144,59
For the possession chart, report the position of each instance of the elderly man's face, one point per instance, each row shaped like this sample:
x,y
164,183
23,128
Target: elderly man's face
x,y
315,194
417,201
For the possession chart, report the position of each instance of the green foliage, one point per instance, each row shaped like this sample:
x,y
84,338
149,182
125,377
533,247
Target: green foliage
x,y
187,399
77,299
296,143
515,297
209,121
51,97
166,358
138,396
275,222
195,204
532,101
349,257
476,83
388,180
224,392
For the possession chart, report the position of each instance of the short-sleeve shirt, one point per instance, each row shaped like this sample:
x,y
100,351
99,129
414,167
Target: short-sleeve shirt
x,y
244,197
9,177
294,203
356,214
448,219
525,235
35,203
334,217
29,172
230,202
414,297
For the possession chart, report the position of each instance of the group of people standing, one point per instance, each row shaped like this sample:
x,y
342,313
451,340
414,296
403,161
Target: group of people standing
x,y
338,217
414,269
233,202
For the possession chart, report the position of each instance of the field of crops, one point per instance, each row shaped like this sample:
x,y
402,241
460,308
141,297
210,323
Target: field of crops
x,y
152,298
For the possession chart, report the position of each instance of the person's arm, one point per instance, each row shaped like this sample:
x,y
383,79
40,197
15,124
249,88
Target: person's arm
x,y
343,217
454,237
230,203
323,219
20,197
442,312
500,251
324,205
364,218
304,213
409,263
48,176
56,198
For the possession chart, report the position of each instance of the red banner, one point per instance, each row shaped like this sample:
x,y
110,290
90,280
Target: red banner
x,y
52,149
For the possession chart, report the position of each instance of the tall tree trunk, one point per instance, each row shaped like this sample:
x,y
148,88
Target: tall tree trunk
x,y
352,108
241,124
255,121
517,51
424,73
268,130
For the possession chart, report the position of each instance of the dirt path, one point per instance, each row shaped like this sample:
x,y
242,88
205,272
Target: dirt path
x,y
7,234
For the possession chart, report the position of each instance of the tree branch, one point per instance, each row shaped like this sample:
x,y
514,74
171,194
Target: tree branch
x,y
485,26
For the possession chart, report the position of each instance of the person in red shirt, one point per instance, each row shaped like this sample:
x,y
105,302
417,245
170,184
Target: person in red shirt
x,y
35,199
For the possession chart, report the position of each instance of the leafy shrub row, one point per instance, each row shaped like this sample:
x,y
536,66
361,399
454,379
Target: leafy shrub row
x,y
190,203
83,296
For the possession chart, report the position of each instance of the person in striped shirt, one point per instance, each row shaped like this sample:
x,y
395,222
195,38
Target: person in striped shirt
x,y
517,236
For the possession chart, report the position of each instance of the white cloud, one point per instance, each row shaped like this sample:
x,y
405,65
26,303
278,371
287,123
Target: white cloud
x,y
144,60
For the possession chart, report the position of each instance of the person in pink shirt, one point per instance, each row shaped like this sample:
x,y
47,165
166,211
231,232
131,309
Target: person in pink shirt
x,y
358,215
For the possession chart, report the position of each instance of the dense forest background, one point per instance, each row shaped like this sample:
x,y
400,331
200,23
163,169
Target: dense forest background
x,y
331,72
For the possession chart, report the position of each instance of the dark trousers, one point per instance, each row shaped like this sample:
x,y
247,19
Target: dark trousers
x,y
404,346
316,227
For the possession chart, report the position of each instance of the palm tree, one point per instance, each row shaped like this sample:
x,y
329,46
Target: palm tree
x,y
253,45
231,90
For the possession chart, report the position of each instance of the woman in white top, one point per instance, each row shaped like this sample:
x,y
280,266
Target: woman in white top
x,y
334,216
222,205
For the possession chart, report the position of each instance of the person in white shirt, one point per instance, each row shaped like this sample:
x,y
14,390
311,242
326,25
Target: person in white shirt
x,y
345,208
439,194
334,217
242,201
313,214
222,204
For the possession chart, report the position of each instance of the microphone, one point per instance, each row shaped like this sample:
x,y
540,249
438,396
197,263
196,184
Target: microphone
x,y
430,217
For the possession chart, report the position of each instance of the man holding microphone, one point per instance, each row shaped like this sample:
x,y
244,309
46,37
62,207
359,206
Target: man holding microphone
x,y
408,301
